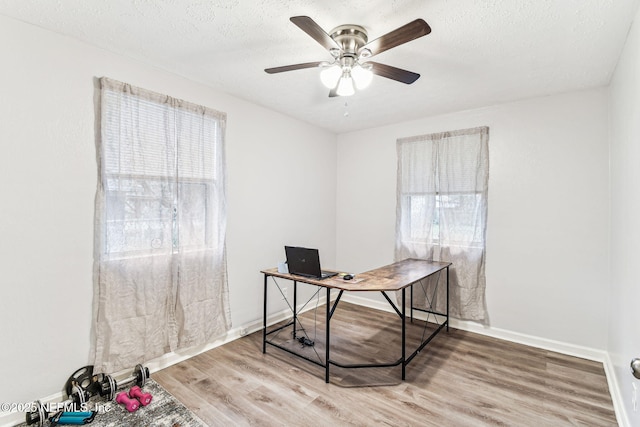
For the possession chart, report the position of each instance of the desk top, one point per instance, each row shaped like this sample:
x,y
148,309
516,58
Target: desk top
x,y
392,277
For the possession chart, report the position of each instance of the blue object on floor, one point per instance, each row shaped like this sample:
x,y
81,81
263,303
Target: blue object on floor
x,y
72,418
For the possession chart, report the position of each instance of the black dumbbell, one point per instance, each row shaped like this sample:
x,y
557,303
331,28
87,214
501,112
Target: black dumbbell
x,y
38,414
106,386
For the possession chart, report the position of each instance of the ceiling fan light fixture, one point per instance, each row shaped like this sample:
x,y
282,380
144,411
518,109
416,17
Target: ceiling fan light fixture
x,y
345,85
348,45
362,76
330,75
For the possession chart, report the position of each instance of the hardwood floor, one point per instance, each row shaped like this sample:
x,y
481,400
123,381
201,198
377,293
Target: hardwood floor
x,y
460,379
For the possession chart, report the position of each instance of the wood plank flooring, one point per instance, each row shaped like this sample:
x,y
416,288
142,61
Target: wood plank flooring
x,y
459,379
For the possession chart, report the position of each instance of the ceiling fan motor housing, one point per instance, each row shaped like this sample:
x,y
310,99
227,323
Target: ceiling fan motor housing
x,y
351,39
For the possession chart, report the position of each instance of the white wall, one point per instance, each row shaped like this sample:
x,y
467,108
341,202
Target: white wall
x,y
624,327
547,239
48,181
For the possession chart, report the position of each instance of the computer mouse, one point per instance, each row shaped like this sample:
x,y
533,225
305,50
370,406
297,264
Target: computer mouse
x,y
347,277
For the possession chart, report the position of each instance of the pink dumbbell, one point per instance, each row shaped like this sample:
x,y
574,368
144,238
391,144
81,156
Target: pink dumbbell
x,y
124,399
144,398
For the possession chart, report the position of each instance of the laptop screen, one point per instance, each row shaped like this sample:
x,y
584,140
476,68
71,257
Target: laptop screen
x,y
303,261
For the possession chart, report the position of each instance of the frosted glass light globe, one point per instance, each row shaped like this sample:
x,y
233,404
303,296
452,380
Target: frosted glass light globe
x,y
330,75
345,86
361,76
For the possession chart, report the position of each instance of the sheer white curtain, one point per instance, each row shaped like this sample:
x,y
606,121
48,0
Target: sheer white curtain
x,y
160,279
442,212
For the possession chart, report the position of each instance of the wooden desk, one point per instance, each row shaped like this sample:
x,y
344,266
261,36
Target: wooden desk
x,y
394,277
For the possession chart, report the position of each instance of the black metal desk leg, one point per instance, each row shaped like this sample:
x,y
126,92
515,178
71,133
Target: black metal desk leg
x,y
404,318
295,305
328,342
447,298
411,303
264,318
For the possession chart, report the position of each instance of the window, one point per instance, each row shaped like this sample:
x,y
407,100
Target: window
x,y
157,183
463,207
161,223
442,209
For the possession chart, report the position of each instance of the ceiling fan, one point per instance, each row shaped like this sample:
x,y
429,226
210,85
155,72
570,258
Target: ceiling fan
x,y
351,49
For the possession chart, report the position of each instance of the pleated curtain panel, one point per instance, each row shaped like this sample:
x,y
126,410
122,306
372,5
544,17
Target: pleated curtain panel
x,y
441,214
160,276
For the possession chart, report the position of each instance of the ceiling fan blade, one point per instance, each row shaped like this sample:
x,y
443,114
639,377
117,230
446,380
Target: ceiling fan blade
x,y
293,67
333,92
393,73
310,27
404,34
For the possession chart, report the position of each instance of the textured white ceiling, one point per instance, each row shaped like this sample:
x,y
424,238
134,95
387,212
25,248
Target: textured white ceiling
x,y
480,52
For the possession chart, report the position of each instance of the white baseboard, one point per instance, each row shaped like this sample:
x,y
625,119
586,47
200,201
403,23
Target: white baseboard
x,y
172,358
530,340
614,388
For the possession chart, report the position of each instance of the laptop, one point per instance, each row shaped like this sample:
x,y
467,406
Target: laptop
x,y
305,262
